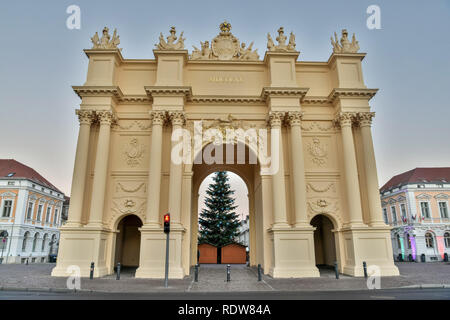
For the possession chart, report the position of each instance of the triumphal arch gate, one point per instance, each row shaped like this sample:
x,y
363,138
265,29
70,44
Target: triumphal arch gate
x,y
297,132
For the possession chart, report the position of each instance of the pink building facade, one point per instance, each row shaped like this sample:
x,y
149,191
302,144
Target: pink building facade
x,y
416,205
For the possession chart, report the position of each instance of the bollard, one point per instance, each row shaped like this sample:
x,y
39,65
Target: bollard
x,y
365,269
228,273
91,276
336,271
259,272
196,273
118,271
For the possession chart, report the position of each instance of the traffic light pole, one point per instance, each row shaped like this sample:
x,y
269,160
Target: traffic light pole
x,y
166,277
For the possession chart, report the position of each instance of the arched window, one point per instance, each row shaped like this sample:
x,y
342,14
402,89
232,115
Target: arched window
x,y
429,240
44,240
3,239
36,236
447,239
399,244
52,244
408,240
25,239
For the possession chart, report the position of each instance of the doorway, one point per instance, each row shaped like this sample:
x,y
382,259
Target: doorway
x,y
128,243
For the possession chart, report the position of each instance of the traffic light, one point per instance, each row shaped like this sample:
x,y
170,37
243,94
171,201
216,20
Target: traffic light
x,y
167,223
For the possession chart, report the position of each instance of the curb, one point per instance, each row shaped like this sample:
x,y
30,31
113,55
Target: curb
x,y
64,290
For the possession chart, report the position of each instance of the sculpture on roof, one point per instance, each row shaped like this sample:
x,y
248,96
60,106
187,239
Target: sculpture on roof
x,y
345,46
171,43
281,39
225,46
105,42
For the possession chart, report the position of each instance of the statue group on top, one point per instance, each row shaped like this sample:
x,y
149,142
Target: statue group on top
x,y
345,46
105,42
226,46
281,39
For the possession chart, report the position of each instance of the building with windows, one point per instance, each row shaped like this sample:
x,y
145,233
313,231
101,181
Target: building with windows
x,y
244,232
30,214
416,204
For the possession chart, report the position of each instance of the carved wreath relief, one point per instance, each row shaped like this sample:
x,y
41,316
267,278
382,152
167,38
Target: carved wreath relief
x,y
134,152
318,152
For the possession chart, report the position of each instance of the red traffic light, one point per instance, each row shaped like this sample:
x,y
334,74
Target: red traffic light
x,y
167,217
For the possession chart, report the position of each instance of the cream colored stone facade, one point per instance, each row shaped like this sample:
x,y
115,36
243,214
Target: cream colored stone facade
x,y
123,164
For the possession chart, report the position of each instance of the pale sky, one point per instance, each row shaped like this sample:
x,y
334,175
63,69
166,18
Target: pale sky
x,y
407,59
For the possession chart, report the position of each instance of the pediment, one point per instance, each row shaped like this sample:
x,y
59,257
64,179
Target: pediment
x,y
423,196
442,196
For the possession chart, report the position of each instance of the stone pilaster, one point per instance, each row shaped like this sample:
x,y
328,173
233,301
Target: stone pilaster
x,y
276,119
105,119
298,169
365,123
158,119
86,118
345,120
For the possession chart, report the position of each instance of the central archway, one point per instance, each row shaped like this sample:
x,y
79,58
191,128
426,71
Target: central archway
x,y
128,242
249,172
324,241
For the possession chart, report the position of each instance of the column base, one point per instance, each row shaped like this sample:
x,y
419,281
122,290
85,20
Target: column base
x,y
370,245
153,253
293,253
80,247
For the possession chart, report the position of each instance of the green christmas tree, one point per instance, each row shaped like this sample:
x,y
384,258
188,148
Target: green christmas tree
x,y
218,222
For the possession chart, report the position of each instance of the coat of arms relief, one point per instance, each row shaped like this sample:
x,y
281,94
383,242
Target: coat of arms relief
x,y
134,152
225,46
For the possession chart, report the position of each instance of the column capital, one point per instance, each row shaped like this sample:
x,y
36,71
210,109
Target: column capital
x,y
345,119
85,116
158,117
365,118
105,117
177,118
294,118
276,118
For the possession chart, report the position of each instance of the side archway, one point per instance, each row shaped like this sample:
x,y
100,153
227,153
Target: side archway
x,y
128,241
324,240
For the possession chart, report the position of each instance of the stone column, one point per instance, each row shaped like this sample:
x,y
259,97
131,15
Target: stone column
x,y
351,170
370,167
79,171
176,169
101,169
298,169
154,175
278,182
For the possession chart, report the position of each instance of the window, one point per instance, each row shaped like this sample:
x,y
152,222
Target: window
x,y
443,209
394,215
47,217
408,240
35,241
44,240
3,239
425,209
38,218
55,220
30,210
447,239
7,207
385,216
11,183
429,240
399,244
25,240
403,210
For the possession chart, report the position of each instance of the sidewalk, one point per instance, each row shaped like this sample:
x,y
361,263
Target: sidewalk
x,y
212,278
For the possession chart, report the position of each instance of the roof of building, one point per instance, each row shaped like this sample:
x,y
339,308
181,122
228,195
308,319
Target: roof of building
x,y
418,175
12,169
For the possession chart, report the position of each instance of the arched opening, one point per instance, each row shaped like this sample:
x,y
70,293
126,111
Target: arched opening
x,y
26,236
238,185
247,169
324,242
128,243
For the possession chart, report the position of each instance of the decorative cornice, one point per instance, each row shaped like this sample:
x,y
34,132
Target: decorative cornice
x,y
314,100
102,91
227,99
351,93
136,99
283,91
185,91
